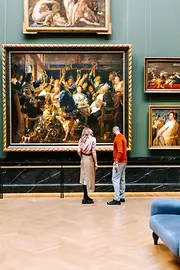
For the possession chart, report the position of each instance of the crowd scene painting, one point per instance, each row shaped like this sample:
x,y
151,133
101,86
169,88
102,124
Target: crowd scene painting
x,y
165,127
55,95
163,76
67,13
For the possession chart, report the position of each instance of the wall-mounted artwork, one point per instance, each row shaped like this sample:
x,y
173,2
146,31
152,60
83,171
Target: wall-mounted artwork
x,y
162,75
67,16
51,92
164,127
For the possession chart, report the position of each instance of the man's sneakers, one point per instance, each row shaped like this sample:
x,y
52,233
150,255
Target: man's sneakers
x,y
114,202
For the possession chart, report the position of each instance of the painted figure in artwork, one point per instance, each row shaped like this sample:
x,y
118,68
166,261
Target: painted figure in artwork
x,y
82,13
69,7
169,133
66,13
42,14
57,107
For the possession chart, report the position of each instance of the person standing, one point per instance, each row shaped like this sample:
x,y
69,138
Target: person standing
x,y
87,152
119,167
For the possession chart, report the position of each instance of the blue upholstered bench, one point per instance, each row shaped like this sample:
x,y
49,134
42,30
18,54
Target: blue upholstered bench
x,y
165,223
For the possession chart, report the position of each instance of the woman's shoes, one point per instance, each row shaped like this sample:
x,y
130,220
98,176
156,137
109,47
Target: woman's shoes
x,y
87,201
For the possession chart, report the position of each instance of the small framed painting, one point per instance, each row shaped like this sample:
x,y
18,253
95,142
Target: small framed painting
x,y
164,127
162,75
52,16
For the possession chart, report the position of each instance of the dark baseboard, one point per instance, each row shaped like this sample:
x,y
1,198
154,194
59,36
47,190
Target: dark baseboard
x,y
54,177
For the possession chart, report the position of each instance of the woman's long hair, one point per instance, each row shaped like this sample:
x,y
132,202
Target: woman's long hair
x,y
85,134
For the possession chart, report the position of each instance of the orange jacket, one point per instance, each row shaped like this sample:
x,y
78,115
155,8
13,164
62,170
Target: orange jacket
x,y
120,149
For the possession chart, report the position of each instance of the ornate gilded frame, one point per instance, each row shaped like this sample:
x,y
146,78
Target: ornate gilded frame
x,y
9,49
165,65
105,29
156,110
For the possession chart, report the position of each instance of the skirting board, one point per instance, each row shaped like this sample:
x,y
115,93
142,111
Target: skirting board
x,y
94,195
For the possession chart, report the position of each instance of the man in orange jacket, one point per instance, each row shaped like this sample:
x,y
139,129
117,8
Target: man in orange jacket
x,y
119,167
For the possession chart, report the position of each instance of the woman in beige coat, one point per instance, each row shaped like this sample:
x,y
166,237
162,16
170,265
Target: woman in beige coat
x,y
87,152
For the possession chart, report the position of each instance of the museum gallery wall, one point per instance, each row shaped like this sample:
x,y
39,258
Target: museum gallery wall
x,y
69,64
50,92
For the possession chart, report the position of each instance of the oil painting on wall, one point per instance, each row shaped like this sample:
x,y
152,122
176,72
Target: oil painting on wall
x,y
164,127
66,16
52,92
162,75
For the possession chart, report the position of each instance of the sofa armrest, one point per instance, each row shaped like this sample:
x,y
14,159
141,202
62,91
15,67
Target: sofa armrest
x,y
165,206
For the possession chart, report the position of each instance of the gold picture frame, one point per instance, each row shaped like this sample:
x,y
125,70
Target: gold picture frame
x,y
162,75
164,127
66,16
27,110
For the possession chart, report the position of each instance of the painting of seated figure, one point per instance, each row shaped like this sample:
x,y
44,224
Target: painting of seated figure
x,y
52,92
164,127
67,16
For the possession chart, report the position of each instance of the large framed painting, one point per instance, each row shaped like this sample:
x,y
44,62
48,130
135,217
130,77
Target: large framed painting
x,y
67,16
164,127
162,75
51,92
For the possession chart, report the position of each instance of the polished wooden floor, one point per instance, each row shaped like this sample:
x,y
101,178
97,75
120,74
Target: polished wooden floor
x,y
62,234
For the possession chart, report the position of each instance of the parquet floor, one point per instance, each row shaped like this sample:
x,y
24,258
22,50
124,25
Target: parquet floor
x,y
63,234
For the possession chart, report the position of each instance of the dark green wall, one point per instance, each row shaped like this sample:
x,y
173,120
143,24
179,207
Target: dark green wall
x,y
151,26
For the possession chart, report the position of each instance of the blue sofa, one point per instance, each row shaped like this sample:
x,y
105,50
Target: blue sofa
x,y
165,223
